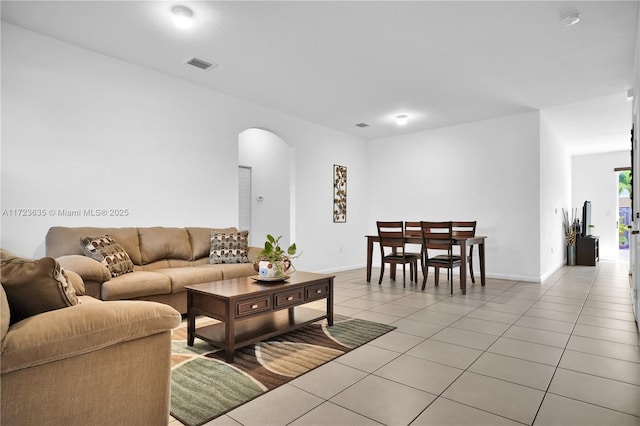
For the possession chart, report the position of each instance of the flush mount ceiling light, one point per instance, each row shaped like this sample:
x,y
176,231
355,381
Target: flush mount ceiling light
x,y
402,119
571,19
182,17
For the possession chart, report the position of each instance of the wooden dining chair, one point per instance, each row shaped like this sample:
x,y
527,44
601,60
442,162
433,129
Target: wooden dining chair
x,y
392,250
466,229
437,246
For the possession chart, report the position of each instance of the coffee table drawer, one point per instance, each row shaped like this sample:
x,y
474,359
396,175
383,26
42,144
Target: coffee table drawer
x,y
291,297
252,306
318,291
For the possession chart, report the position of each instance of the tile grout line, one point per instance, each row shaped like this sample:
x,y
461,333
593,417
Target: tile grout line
x,y
450,299
405,353
546,392
440,395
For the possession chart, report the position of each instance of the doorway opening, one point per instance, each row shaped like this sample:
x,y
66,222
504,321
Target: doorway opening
x,y
624,210
265,162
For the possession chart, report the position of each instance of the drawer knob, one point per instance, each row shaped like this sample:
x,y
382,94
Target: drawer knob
x,y
290,298
254,306
318,291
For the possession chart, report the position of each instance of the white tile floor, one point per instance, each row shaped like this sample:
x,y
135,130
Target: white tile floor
x,y
564,352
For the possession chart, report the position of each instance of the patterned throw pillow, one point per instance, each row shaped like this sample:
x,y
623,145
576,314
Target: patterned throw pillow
x,y
108,252
229,247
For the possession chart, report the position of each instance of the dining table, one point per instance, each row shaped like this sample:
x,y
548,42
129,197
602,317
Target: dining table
x,y
462,241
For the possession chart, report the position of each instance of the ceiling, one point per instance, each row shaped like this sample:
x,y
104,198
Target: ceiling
x,y
339,63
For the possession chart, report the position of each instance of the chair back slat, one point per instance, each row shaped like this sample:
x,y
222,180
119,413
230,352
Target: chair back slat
x,y
391,235
437,235
412,229
464,228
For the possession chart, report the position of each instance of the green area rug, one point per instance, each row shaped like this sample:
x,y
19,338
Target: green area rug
x,y
204,386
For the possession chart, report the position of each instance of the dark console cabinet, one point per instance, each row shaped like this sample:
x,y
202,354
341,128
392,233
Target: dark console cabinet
x,y
587,251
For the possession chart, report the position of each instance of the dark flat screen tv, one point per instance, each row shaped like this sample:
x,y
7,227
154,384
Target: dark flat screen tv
x,y
586,219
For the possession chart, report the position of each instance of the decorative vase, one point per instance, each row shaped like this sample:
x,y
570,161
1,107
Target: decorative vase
x,y
277,269
571,255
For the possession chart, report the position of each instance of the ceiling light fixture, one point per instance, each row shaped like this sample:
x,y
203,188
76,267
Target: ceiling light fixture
x,y
182,17
402,119
571,19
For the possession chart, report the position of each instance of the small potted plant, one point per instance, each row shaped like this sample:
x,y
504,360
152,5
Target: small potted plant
x,y
273,262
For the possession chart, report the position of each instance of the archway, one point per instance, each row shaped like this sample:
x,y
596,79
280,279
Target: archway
x,y
267,159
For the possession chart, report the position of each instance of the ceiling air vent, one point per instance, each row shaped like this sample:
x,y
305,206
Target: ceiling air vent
x,y
199,63
362,125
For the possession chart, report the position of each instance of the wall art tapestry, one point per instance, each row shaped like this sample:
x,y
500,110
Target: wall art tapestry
x,y
339,193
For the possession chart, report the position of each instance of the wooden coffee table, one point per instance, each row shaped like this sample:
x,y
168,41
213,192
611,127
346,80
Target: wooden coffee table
x,y
251,311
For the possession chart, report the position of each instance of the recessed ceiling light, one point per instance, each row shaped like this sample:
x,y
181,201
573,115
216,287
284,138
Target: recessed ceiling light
x,y
182,17
571,19
402,119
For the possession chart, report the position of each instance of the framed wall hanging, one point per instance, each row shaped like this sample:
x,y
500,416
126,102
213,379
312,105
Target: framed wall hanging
x,y
339,193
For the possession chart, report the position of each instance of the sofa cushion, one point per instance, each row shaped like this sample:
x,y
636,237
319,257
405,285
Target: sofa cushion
x,y
107,251
63,241
229,247
135,284
234,270
188,275
164,243
165,263
35,286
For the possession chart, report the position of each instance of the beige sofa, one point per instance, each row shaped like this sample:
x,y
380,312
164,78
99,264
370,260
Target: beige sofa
x,y
165,261
91,363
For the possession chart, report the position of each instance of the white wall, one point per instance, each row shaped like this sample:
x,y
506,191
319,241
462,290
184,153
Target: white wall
x,y
324,241
270,160
486,171
594,179
555,195
82,130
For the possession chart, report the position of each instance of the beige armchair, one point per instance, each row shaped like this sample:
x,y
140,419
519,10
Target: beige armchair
x,y
94,363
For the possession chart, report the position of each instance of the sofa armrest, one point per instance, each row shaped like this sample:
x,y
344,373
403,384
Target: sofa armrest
x,y
89,269
80,329
76,281
252,252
